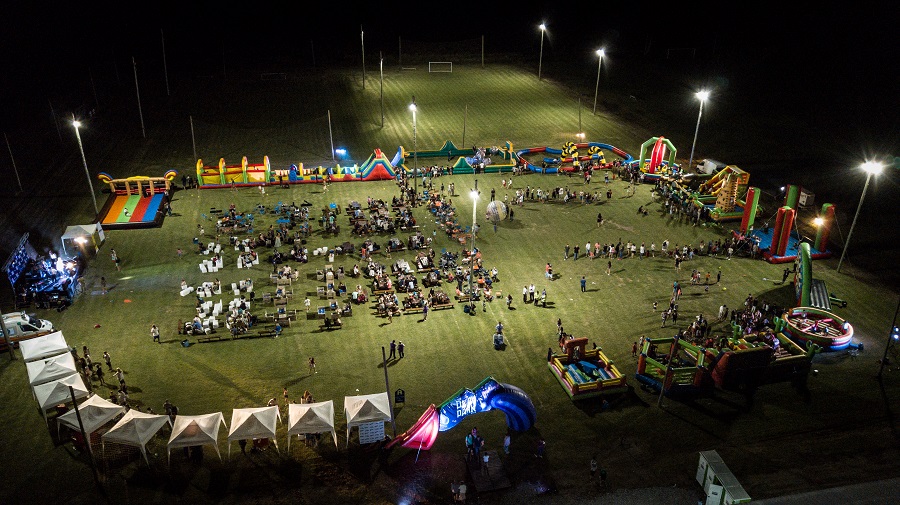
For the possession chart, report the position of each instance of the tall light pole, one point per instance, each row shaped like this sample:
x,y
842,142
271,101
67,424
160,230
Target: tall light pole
x,y
701,95
871,168
474,194
600,54
543,28
413,108
77,125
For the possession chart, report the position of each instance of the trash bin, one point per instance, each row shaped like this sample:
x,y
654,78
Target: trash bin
x,y
400,396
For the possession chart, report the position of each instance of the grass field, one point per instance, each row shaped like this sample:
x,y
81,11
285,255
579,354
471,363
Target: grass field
x,y
784,441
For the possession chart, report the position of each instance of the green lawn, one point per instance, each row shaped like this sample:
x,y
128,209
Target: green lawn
x,y
640,444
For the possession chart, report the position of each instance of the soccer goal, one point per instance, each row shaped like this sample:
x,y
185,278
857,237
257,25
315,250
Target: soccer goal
x,y
440,66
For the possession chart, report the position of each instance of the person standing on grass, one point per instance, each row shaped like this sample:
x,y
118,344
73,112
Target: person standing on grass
x,y
312,365
115,259
393,353
425,311
400,349
524,294
508,302
531,293
154,332
634,349
583,284
108,359
575,258
566,254
608,267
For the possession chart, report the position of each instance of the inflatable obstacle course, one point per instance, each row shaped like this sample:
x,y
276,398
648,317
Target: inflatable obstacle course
x,y
673,365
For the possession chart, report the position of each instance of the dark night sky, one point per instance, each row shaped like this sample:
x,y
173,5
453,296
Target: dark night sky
x,y
824,55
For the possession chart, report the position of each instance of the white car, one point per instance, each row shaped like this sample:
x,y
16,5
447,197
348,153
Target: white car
x,y
22,326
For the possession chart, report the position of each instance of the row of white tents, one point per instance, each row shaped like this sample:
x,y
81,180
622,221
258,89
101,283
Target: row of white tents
x,y
52,371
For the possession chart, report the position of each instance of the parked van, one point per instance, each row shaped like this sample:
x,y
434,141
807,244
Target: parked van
x,y
22,326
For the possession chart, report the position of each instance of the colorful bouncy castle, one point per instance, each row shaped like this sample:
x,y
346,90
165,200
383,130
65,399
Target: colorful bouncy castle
x,y
135,202
585,373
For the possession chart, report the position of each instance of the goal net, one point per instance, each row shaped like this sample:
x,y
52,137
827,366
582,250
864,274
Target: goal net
x,y
440,66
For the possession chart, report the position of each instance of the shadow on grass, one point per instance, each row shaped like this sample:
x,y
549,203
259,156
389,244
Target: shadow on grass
x,y
390,363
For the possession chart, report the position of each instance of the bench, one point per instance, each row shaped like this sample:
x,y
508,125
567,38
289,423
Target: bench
x,y
464,298
331,326
383,292
210,337
442,306
267,331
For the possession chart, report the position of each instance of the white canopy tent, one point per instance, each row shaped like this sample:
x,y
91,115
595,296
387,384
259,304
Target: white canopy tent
x,y
251,423
43,347
95,412
365,409
51,394
311,418
50,369
136,429
196,430
84,237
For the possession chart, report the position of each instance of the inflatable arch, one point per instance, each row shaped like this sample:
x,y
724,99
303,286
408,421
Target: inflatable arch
x,y
487,395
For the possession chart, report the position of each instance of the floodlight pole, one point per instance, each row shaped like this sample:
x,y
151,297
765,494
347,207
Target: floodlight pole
x,y
541,57
702,95
414,108
86,171
600,54
853,225
87,441
472,252
387,386
16,170
381,72
55,120
579,114
662,386
162,35
330,136
138,91
465,120
93,87
362,42
890,342
193,140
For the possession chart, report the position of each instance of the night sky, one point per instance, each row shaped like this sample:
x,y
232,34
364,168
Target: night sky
x,y
814,59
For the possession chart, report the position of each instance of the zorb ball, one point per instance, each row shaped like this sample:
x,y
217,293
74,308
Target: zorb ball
x,y
496,211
